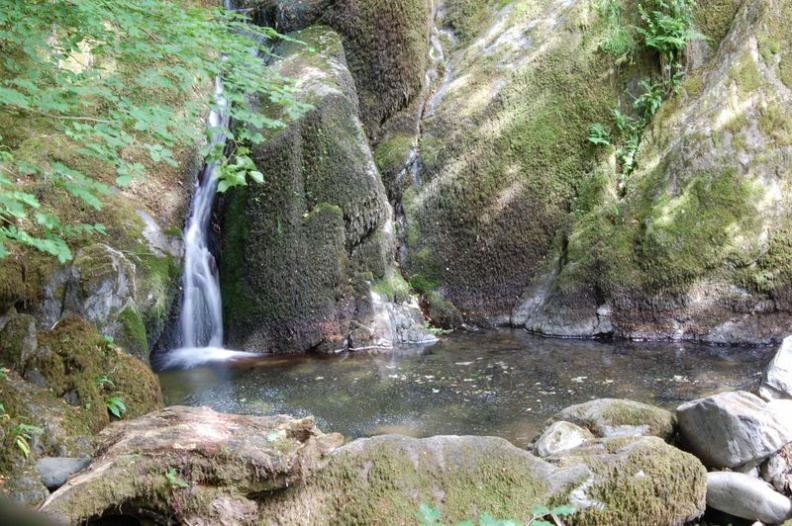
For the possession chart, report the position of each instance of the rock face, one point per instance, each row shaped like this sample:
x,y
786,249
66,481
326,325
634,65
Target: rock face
x,y
208,465
607,417
746,497
777,381
695,245
735,428
304,253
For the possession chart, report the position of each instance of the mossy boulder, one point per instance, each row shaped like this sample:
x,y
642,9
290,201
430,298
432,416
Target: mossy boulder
x,y
60,385
301,251
698,245
196,464
635,480
614,417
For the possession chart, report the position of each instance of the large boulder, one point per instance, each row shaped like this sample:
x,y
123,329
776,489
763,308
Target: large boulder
x,y
635,480
205,467
607,417
734,428
777,381
746,497
304,253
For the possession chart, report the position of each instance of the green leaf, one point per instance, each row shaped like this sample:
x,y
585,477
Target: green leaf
x,y
256,176
12,97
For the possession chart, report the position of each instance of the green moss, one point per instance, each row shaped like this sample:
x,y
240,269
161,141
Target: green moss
x,y
392,153
467,17
385,480
775,123
746,75
386,44
392,286
672,485
134,338
715,17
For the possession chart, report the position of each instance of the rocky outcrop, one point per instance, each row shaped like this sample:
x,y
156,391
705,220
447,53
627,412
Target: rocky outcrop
x,y
695,244
304,253
203,467
55,397
735,428
635,480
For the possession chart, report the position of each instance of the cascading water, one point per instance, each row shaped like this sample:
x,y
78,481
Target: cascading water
x,y
201,320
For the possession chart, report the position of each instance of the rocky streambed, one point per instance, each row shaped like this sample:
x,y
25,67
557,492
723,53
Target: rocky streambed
x,y
616,461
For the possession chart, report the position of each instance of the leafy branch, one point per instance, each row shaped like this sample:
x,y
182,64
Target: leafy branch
x,y
110,77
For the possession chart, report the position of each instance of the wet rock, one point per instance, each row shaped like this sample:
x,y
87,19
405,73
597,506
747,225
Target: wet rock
x,y
777,381
746,497
614,417
55,471
204,466
734,428
559,437
636,480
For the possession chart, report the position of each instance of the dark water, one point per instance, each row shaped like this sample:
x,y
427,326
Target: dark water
x,y
502,383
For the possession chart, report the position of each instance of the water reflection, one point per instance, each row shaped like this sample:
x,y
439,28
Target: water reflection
x,y
502,383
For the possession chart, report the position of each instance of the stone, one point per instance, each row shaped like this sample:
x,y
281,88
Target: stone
x,y
614,417
777,381
635,480
777,470
746,497
18,340
209,465
55,471
734,428
560,436
331,248
384,479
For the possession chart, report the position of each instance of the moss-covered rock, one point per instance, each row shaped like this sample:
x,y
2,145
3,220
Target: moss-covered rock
x,y
503,150
613,417
300,252
635,480
193,463
698,246
387,46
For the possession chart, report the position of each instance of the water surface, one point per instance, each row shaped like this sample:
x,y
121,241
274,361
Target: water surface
x,y
502,383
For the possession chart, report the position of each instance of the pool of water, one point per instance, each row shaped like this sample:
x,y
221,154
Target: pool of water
x,y
501,383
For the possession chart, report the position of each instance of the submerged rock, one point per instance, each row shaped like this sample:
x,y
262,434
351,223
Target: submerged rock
x,y
607,417
734,428
746,497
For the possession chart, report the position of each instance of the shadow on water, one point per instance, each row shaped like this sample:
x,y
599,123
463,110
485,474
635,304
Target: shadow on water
x,y
502,383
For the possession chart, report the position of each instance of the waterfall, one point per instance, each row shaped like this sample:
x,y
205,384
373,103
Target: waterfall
x,y
201,320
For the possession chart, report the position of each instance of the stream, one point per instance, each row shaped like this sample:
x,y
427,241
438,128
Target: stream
x,y
502,383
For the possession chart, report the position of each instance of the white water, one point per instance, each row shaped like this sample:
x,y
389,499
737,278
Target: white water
x,y
202,316
190,357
